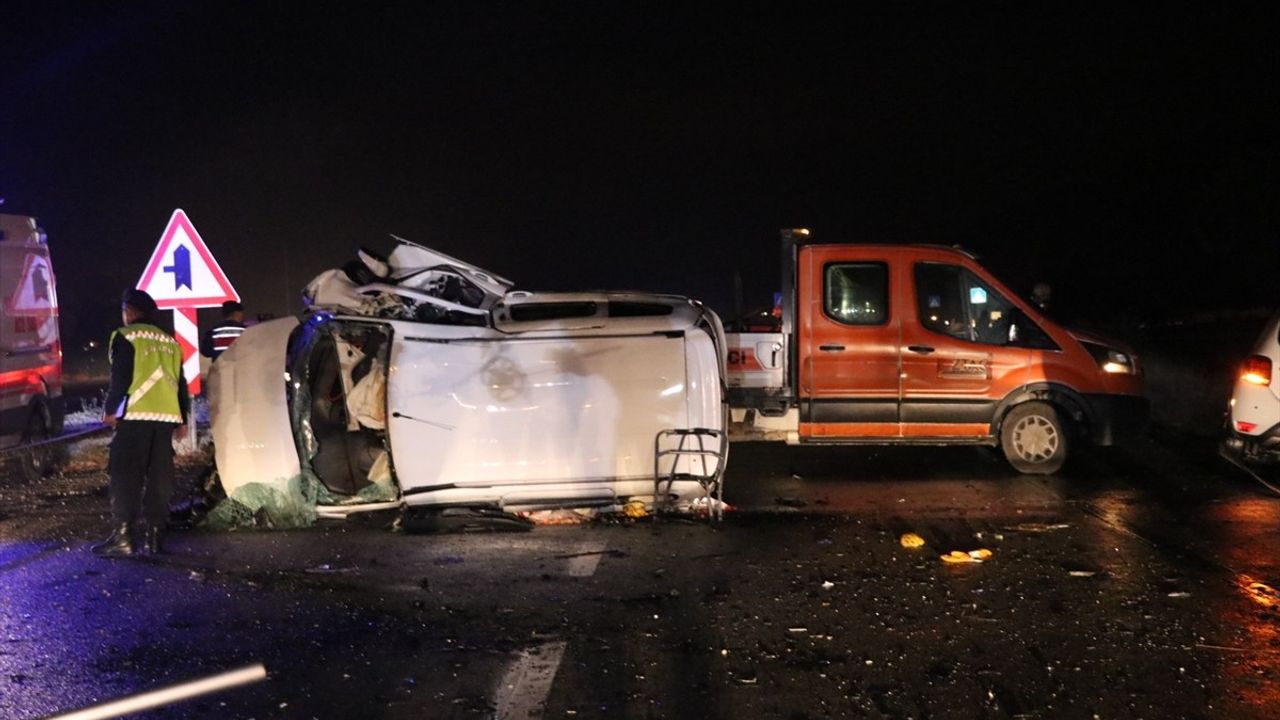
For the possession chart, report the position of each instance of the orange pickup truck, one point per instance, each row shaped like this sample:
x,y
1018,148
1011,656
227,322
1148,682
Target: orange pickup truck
x,y
919,344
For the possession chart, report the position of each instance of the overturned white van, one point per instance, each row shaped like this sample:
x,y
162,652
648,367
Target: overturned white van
x,y
421,381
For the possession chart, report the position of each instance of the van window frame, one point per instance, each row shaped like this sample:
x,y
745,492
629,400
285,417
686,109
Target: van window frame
x,y
553,311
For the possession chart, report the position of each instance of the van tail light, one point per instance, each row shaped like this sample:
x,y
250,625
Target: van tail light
x,y
1243,426
1257,370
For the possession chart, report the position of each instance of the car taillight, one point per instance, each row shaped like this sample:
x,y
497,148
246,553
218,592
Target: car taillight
x,y
1257,370
1243,426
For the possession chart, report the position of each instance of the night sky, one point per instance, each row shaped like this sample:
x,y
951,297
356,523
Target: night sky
x,y
1132,160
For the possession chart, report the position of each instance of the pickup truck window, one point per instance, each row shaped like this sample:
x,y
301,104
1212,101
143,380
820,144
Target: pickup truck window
x,y
940,301
955,302
856,293
990,313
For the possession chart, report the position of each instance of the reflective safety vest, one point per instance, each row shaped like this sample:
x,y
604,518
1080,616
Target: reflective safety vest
x,y
157,370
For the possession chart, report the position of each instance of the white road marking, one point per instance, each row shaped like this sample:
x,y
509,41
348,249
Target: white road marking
x,y
586,559
527,682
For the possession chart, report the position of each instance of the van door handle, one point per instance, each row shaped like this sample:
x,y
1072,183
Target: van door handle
x,y
922,349
831,348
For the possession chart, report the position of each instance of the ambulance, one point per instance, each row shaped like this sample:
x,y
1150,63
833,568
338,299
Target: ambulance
x,y
31,407
920,345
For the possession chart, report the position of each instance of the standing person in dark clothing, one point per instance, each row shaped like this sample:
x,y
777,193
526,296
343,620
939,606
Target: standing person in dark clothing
x,y
216,340
1042,297
147,405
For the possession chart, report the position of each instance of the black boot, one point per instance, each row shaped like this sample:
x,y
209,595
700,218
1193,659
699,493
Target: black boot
x,y
118,544
155,540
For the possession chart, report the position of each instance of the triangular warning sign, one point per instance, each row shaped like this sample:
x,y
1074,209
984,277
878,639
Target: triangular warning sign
x,y
35,293
182,271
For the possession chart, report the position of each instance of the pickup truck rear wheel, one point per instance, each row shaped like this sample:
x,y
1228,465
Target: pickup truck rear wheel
x,y
1034,439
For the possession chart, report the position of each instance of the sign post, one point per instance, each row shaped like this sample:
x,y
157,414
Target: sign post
x,y
183,276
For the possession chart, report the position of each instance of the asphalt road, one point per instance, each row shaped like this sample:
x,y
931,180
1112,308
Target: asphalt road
x,y
1121,588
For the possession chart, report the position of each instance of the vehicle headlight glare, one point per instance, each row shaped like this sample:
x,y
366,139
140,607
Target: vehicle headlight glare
x,y
1118,363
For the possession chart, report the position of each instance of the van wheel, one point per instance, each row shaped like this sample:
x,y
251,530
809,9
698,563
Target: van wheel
x,y
36,462
1034,439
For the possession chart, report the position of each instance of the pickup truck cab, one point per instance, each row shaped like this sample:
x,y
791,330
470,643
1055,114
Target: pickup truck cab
x,y
919,344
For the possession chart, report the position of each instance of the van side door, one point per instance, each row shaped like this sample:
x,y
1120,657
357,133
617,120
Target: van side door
x,y
848,343
961,353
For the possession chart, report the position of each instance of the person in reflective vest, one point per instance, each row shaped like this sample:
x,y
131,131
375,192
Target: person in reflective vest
x,y
147,404
215,341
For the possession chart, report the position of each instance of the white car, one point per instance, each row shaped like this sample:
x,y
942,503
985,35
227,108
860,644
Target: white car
x,y
1253,417
422,381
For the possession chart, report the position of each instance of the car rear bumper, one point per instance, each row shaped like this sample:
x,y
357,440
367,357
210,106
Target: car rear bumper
x,y
1260,447
1116,419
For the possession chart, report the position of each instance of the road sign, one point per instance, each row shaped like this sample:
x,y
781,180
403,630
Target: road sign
x,y
183,275
182,272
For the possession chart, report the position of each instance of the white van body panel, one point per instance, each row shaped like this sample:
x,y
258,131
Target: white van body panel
x,y
533,411
417,267
249,411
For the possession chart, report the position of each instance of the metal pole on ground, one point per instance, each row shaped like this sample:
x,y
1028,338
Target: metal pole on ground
x,y
167,695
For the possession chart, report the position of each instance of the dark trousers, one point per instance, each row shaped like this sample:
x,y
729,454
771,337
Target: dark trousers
x,y
141,469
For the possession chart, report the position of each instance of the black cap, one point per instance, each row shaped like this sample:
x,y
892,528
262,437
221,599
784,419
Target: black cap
x,y
138,300
231,306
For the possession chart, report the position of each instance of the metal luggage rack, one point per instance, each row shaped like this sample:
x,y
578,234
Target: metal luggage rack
x,y
712,482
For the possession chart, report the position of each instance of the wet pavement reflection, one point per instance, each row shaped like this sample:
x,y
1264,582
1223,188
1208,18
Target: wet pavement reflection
x,y
1135,584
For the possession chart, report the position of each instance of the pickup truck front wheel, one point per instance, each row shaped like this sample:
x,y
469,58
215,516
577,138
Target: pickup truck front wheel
x,y
1034,439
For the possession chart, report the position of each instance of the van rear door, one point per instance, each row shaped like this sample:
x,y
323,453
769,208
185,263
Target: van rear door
x,y
849,337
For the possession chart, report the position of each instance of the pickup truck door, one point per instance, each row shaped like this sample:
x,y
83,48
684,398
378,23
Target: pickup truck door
x,y
958,356
848,345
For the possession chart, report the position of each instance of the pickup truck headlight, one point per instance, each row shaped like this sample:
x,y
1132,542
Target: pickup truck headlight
x,y
1112,360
